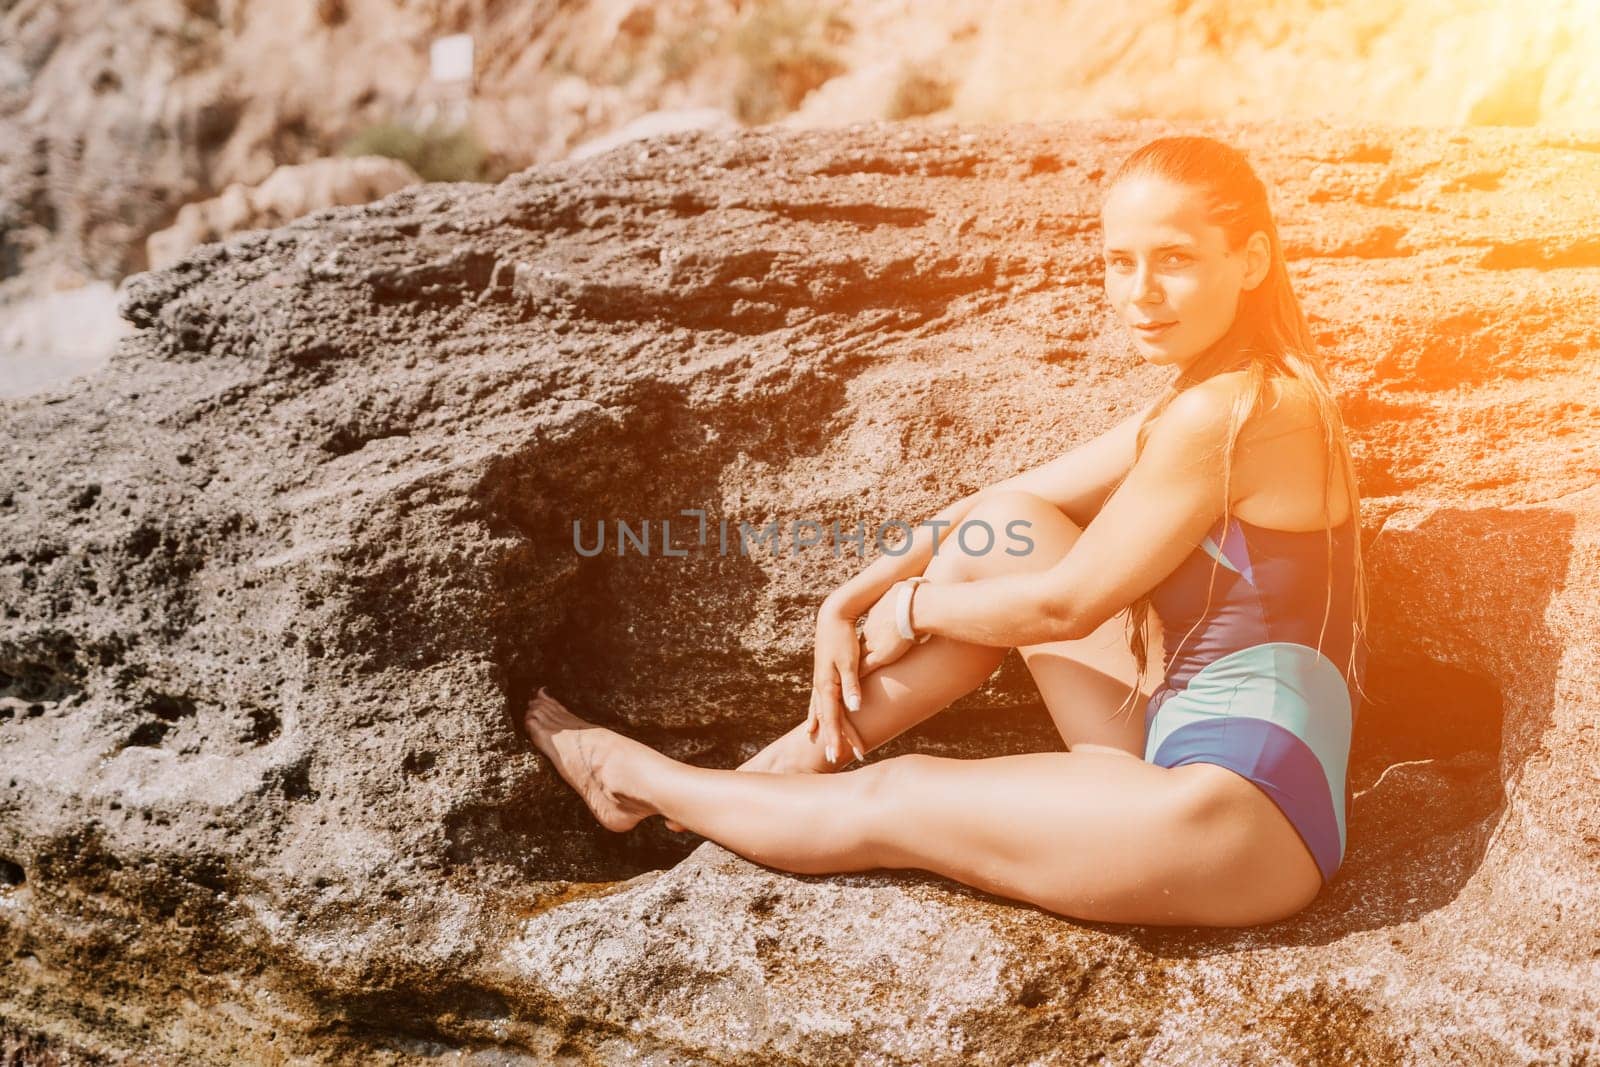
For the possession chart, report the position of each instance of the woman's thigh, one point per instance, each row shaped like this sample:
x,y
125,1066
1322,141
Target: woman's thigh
x,y
1092,689
1093,835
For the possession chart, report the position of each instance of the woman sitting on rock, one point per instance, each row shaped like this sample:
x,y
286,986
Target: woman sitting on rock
x,y
1228,506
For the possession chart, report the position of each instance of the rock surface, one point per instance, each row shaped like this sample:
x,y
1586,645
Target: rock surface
x,y
273,580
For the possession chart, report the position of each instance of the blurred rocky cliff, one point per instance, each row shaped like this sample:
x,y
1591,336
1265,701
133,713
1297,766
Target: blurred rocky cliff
x,y
115,114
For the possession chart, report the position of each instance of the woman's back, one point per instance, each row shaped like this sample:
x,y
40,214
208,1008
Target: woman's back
x,y
1249,585
1259,624
1279,464
1270,575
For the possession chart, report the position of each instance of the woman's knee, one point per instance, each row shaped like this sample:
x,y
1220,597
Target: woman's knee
x,y
1007,531
885,779
885,789
883,769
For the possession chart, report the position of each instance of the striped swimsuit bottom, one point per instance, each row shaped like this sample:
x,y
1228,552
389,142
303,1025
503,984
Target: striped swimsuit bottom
x,y
1262,680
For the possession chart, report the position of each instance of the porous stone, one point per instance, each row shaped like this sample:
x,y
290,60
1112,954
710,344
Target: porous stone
x,y
274,579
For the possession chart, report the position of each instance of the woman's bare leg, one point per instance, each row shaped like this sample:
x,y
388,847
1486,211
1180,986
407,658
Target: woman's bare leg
x,y
894,698
1082,682
1094,835
1091,686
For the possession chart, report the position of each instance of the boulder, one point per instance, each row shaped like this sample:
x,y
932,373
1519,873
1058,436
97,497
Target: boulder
x,y
273,581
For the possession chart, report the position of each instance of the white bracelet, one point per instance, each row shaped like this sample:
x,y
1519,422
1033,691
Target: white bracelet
x,y
903,609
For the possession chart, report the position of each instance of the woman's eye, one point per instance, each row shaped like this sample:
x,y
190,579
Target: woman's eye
x,y
1172,259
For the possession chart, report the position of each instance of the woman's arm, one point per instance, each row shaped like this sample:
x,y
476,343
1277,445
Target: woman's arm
x,y
1077,482
1155,518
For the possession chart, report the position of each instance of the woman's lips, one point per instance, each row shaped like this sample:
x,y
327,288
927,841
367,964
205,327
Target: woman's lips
x,y
1155,329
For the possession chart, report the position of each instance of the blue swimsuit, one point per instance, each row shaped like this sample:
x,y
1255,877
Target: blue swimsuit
x,y
1248,690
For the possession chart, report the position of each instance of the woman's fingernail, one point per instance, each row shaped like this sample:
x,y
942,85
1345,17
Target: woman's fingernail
x,y
857,751
852,701
831,753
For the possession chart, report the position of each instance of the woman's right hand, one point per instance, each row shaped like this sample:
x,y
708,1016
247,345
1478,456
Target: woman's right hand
x,y
835,685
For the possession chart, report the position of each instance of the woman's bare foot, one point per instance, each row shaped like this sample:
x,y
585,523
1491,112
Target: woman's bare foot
x,y
595,761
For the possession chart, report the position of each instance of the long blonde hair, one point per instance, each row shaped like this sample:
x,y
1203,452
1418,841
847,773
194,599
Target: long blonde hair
x,y
1268,339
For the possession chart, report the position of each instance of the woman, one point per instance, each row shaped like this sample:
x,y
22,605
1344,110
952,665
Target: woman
x,y
1229,505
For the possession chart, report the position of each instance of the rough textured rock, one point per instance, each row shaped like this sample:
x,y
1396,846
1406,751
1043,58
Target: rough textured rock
x,y
272,581
288,193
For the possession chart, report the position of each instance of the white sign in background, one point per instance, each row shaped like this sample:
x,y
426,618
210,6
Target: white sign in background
x,y
450,58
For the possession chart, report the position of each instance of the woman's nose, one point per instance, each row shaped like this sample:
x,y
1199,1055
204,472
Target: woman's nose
x,y
1145,289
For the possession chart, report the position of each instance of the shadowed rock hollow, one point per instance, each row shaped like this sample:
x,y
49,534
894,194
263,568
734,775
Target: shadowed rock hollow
x,y
273,580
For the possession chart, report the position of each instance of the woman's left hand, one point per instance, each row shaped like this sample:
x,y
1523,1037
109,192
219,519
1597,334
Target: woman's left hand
x,y
880,636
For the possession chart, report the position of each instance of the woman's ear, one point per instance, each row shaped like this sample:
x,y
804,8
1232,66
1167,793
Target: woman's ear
x,y
1257,259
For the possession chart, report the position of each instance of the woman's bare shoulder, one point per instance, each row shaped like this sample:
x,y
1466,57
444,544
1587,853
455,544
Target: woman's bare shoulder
x,y
1200,414
1288,406
1215,396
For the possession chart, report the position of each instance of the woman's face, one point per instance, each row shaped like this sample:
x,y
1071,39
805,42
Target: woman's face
x,y
1171,270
